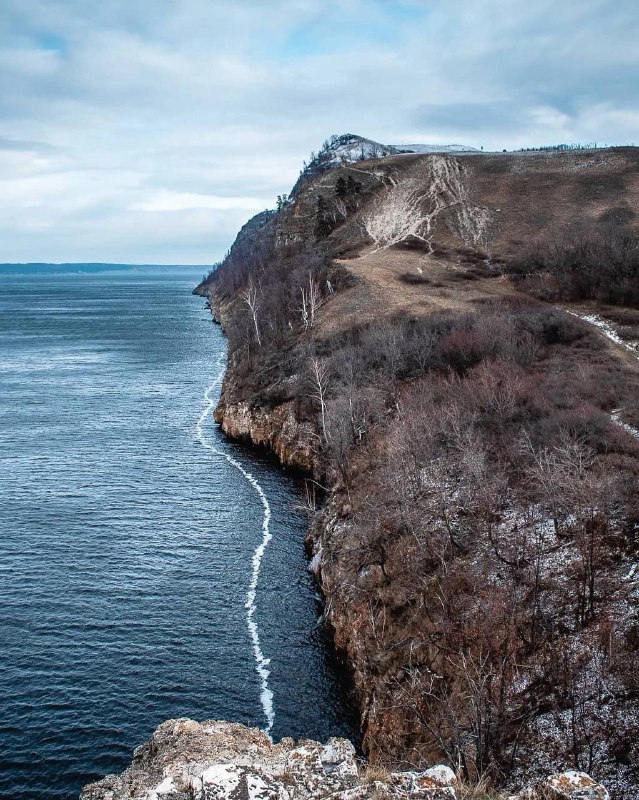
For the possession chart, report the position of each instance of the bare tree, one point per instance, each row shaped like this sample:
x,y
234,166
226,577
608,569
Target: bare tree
x,y
252,299
397,216
320,379
312,301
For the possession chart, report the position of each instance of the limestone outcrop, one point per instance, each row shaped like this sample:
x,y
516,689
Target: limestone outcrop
x,y
188,760
277,429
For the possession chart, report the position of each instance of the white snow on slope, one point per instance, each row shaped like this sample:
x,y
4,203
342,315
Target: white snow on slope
x,y
609,332
435,148
349,148
616,418
605,327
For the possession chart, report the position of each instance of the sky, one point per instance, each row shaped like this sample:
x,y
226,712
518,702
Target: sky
x,y
149,131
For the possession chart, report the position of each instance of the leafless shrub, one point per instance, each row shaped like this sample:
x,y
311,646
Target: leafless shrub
x,y
603,266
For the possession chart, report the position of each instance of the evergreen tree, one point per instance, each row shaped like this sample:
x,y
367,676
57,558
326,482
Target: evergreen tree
x,y
353,187
341,188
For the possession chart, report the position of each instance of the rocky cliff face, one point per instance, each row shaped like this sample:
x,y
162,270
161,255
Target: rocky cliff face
x,y
276,429
187,760
419,236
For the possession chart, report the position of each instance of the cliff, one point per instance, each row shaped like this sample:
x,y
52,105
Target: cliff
x,y
276,429
187,760
415,331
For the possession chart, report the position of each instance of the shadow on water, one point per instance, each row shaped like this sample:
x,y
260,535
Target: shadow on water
x,y
292,634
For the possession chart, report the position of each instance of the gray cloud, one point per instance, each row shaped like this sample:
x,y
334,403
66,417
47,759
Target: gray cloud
x,y
117,119
471,119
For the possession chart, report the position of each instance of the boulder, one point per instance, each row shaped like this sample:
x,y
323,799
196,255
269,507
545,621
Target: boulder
x,y
572,785
188,760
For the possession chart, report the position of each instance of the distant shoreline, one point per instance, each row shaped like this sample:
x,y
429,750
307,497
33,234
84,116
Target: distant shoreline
x,y
91,268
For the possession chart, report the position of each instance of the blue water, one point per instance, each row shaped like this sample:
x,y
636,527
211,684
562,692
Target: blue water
x,y
126,546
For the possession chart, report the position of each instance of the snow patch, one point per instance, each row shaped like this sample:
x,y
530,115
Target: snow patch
x,y
164,788
348,148
435,148
616,418
410,210
610,333
605,327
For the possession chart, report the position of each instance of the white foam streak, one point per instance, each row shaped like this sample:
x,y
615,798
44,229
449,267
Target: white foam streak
x,y
261,663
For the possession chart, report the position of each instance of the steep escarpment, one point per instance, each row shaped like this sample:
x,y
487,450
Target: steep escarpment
x,y
415,331
278,429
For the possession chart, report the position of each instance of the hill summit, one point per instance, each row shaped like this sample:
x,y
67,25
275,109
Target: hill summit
x,y
448,346
348,148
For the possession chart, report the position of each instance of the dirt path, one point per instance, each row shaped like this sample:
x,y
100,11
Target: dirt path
x,y
622,349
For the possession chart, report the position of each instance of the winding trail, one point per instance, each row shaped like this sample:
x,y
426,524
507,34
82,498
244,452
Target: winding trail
x,y
261,662
606,329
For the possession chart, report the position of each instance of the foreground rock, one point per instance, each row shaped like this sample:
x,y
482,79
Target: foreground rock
x,y
218,760
187,760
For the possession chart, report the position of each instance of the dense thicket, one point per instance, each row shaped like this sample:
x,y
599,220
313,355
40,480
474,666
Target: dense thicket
x,y
498,500
600,266
491,502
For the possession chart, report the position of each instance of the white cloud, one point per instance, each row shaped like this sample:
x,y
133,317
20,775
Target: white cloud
x,y
158,126
165,200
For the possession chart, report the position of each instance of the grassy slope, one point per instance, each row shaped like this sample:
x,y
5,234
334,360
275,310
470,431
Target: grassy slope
x,y
481,528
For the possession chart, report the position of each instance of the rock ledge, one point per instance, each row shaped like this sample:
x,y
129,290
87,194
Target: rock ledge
x,y
187,760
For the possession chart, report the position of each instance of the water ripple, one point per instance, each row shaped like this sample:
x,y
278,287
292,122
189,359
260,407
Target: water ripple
x,y
261,662
133,566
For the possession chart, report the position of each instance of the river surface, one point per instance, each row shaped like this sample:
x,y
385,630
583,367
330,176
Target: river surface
x,y
130,537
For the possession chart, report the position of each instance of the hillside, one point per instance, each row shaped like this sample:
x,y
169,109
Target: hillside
x,y
447,344
350,148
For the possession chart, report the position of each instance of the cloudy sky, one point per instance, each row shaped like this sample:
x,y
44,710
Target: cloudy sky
x,y
147,131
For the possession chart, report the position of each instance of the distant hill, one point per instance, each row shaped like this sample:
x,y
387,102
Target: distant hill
x,y
349,148
43,268
435,148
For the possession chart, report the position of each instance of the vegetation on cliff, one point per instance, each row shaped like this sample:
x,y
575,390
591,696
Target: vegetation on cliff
x,y
187,760
478,543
